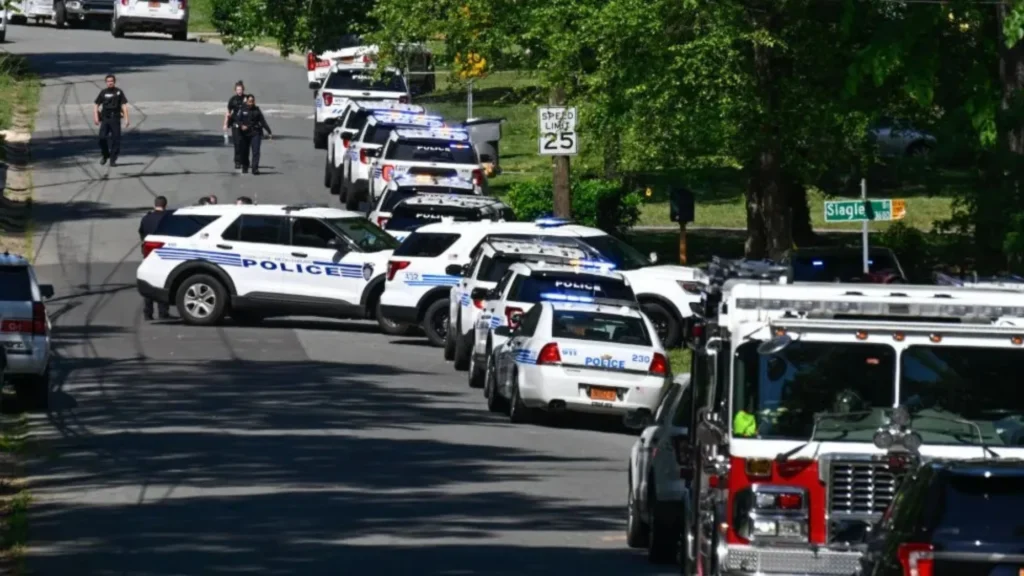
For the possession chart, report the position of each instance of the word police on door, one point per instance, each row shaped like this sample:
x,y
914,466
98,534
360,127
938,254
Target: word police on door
x,y
558,131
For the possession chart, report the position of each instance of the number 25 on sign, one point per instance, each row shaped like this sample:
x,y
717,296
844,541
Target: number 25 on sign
x,y
558,131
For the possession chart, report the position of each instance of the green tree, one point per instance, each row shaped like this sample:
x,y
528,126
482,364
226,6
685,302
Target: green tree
x,y
296,25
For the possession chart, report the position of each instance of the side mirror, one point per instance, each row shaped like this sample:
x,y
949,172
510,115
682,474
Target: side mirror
x,y
337,244
638,419
503,331
46,290
314,85
515,318
480,294
453,270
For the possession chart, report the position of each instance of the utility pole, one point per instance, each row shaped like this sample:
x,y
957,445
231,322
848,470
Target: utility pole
x,y
560,167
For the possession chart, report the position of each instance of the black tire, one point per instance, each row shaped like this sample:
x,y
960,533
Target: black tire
x,y
335,184
495,402
519,413
319,140
475,374
115,30
637,531
449,341
33,392
391,328
60,16
463,350
663,537
180,36
19,20
435,322
352,198
327,171
3,36
669,329
201,300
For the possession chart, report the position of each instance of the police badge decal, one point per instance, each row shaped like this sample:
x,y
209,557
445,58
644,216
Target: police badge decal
x,y
367,271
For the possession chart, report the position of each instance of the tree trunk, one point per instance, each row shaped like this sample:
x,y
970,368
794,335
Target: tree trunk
x,y
562,202
800,212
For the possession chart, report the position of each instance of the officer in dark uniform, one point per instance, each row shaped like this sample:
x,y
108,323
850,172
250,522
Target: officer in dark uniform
x,y
111,106
148,226
234,104
251,125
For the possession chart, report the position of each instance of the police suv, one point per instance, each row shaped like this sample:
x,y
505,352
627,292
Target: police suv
x,y
576,354
256,261
524,285
24,331
437,151
406,186
352,82
430,260
349,124
490,261
412,213
350,50
354,171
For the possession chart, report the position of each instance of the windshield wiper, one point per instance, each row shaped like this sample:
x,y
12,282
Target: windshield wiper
x,y
818,418
964,421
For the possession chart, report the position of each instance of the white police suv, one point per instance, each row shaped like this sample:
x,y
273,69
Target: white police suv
x,y
411,213
576,353
528,283
256,261
354,172
349,124
24,331
406,186
351,82
436,151
490,261
429,262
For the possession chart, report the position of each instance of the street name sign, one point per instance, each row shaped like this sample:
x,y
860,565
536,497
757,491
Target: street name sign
x,y
865,210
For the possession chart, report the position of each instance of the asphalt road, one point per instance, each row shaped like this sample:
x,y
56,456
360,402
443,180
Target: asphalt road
x,y
300,447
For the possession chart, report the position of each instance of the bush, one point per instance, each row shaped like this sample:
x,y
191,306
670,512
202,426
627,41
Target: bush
x,y
598,203
222,14
912,248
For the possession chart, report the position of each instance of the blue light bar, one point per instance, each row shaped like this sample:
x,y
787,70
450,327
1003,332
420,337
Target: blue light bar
x,y
817,263
551,221
595,264
556,297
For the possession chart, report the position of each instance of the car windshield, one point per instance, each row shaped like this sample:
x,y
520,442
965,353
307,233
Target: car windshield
x,y
939,384
554,286
624,256
364,234
440,151
780,396
973,508
838,266
363,80
598,327
406,217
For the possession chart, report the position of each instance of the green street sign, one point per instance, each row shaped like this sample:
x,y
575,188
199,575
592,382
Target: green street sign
x,y
864,210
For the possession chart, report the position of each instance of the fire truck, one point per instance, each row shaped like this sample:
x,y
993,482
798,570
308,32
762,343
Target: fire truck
x,y
811,401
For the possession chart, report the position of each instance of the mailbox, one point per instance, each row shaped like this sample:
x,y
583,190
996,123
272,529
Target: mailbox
x,y
682,204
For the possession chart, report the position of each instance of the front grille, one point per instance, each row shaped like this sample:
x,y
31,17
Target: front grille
x,y
860,487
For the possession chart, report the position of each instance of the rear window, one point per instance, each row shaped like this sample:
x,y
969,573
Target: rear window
x,y
15,285
426,244
440,151
182,225
597,327
838,267
531,288
492,269
357,120
406,217
393,197
363,80
377,134
975,508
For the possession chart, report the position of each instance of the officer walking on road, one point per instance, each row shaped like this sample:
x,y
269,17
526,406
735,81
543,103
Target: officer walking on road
x,y
234,104
148,226
251,125
111,106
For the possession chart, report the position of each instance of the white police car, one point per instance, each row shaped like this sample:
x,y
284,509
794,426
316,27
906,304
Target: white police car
x,y
349,124
255,261
412,213
351,82
490,261
579,354
436,152
406,186
24,331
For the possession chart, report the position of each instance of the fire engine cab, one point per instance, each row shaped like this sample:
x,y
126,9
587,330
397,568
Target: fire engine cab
x,y
812,400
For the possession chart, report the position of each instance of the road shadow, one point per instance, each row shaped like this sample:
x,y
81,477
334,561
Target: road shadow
x,y
46,213
49,65
62,150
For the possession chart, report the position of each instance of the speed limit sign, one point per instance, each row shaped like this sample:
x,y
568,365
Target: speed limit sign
x,y
558,131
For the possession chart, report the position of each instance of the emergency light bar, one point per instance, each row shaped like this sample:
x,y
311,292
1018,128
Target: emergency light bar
x,y
830,308
573,299
406,119
1011,282
721,270
379,105
434,134
551,222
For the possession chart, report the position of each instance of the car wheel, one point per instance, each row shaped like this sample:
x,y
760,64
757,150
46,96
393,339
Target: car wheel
x,y
33,392
352,199
663,536
327,171
335,184
463,350
637,532
115,30
476,374
59,16
495,401
3,36
201,300
518,412
389,327
665,323
435,323
180,36
449,341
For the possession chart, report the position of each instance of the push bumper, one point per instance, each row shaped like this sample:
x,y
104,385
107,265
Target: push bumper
x,y
782,561
147,290
399,314
146,24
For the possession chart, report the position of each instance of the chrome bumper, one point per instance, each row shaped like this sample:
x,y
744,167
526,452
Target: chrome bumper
x,y
780,561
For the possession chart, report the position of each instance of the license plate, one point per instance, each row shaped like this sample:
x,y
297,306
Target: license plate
x,y
154,4
15,345
607,394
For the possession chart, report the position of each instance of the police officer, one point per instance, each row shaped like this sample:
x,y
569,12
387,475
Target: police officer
x,y
251,125
111,106
234,104
148,226
243,200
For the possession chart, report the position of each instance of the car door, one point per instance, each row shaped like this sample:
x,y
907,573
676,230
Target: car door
x,y
487,317
460,292
519,341
262,242
647,441
321,252
665,467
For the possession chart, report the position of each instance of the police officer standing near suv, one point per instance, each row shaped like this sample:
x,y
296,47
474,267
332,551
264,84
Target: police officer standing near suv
x,y
111,106
234,104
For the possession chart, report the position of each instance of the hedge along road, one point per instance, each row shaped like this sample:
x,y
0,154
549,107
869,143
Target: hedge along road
x,y
299,447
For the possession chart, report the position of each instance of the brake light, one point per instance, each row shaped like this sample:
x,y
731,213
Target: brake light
x,y
789,501
549,354
183,4
478,177
386,172
310,57
124,2
509,313
381,221
344,142
479,304
328,98
367,59
916,559
394,266
39,319
659,365
363,157
148,247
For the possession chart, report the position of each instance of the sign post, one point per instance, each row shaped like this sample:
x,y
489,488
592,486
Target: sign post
x,y
865,211
558,139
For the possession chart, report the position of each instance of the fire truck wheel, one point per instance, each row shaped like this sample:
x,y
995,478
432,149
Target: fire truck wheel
x,y
664,535
636,530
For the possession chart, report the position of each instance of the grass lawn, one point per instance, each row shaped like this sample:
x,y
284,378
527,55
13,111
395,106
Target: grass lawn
x,y
19,89
200,16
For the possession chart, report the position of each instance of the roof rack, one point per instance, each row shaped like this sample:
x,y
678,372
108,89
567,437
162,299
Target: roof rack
x,y
295,207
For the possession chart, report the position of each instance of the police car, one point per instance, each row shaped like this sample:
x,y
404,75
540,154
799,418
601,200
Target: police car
x,y
592,355
524,285
406,186
349,125
490,261
350,50
411,213
24,331
354,172
256,261
437,152
352,82
430,261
